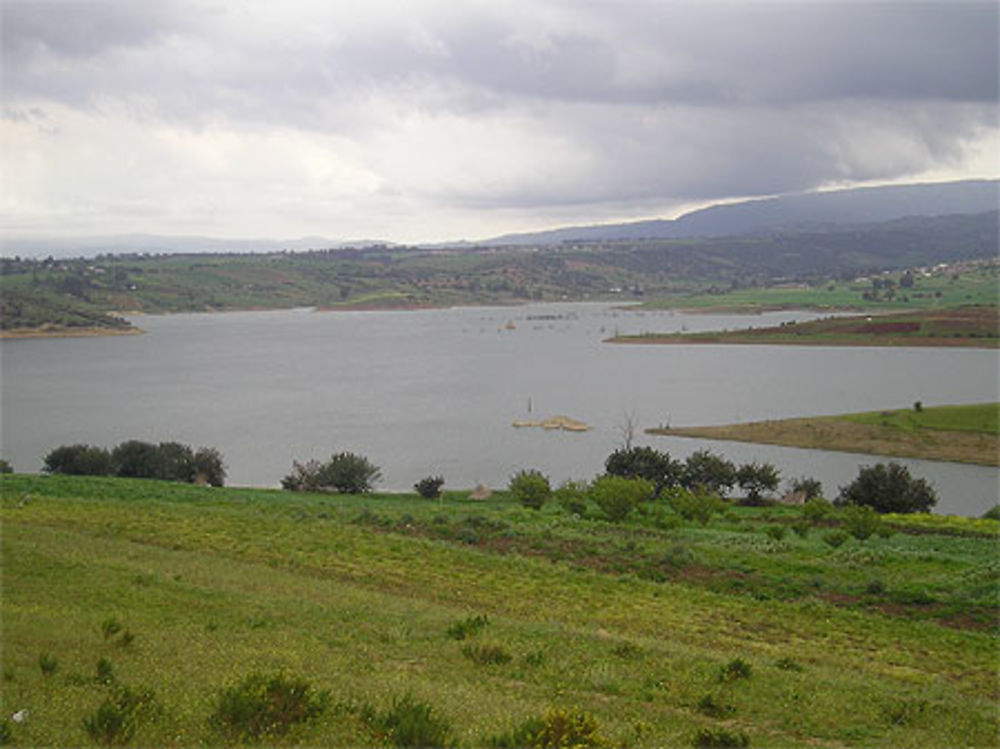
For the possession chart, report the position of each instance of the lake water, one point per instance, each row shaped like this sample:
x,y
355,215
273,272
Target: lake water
x,y
435,392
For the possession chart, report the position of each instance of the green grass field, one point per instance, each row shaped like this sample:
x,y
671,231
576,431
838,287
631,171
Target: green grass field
x,y
889,642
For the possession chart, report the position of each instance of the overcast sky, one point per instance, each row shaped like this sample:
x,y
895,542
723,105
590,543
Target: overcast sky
x,y
418,120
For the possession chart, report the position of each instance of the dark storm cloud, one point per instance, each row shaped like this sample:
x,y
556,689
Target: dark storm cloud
x,y
521,105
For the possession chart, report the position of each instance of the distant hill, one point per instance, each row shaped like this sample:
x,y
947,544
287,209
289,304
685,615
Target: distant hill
x,y
807,212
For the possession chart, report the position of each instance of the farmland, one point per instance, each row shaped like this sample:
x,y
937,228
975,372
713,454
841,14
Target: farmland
x,y
656,627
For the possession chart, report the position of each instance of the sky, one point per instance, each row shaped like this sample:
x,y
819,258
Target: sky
x,y
426,120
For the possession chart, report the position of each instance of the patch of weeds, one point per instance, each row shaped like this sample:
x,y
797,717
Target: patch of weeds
x,y
788,664
110,627
905,712
678,555
913,597
556,729
534,658
115,721
875,588
126,639
105,672
263,706
408,723
468,627
627,651
468,536
777,532
801,528
6,732
48,664
737,668
486,654
835,538
714,706
720,738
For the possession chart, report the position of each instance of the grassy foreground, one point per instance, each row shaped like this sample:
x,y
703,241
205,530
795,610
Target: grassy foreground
x,y
889,642
963,434
976,326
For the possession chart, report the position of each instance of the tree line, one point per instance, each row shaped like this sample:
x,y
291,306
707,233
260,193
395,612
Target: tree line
x,y
167,461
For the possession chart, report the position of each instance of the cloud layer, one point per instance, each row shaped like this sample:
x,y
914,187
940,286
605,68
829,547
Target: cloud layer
x,y
425,120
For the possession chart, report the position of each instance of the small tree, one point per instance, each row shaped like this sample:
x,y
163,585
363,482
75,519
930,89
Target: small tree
x,y
5,466
135,459
888,488
78,460
618,496
757,478
209,467
810,487
695,505
174,462
862,522
531,488
711,472
429,487
644,463
305,477
349,473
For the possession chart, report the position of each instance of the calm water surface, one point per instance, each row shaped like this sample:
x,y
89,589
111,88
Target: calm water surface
x,y
435,392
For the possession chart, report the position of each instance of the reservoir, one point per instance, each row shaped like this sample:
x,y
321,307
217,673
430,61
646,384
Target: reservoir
x,y
435,392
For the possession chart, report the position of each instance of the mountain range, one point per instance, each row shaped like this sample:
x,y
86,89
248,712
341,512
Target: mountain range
x,y
815,212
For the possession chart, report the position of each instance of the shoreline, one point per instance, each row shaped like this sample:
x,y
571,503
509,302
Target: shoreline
x,y
87,332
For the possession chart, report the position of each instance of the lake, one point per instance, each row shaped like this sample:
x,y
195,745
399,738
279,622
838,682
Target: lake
x,y
436,391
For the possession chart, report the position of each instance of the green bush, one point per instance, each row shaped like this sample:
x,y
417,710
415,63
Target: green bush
x,y
735,669
429,487
48,664
888,488
777,532
531,488
344,472
468,627
110,627
720,738
618,496
209,467
714,706
706,472
105,672
757,478
557,729
644,463
835,538
487,654
816,509
692,506
408,723
993,513
115,721
861,522
572,496
265,706
5,466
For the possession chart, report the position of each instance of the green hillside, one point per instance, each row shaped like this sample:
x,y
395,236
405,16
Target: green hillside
x,y
657,628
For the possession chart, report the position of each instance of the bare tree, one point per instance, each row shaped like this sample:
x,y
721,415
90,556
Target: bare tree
x,y
628,429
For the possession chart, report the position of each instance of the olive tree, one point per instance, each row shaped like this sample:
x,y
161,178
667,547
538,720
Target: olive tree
x,y
888,488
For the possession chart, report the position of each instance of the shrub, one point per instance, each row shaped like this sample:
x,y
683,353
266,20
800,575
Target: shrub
x,y
262,706
530,488
78,460
409,723
110,627
48,664
618,496
713,706
116,719
735,669
174,462
557,729
5,466
644,463
861,522
6,734
801,528
875,588
812,488
708,472
777,532
571,496
720,738
835,538
349,473
486,654
692,506
303,478
429,487
105,672
209,467
816,509
888,488
468,627
757,478
993,513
